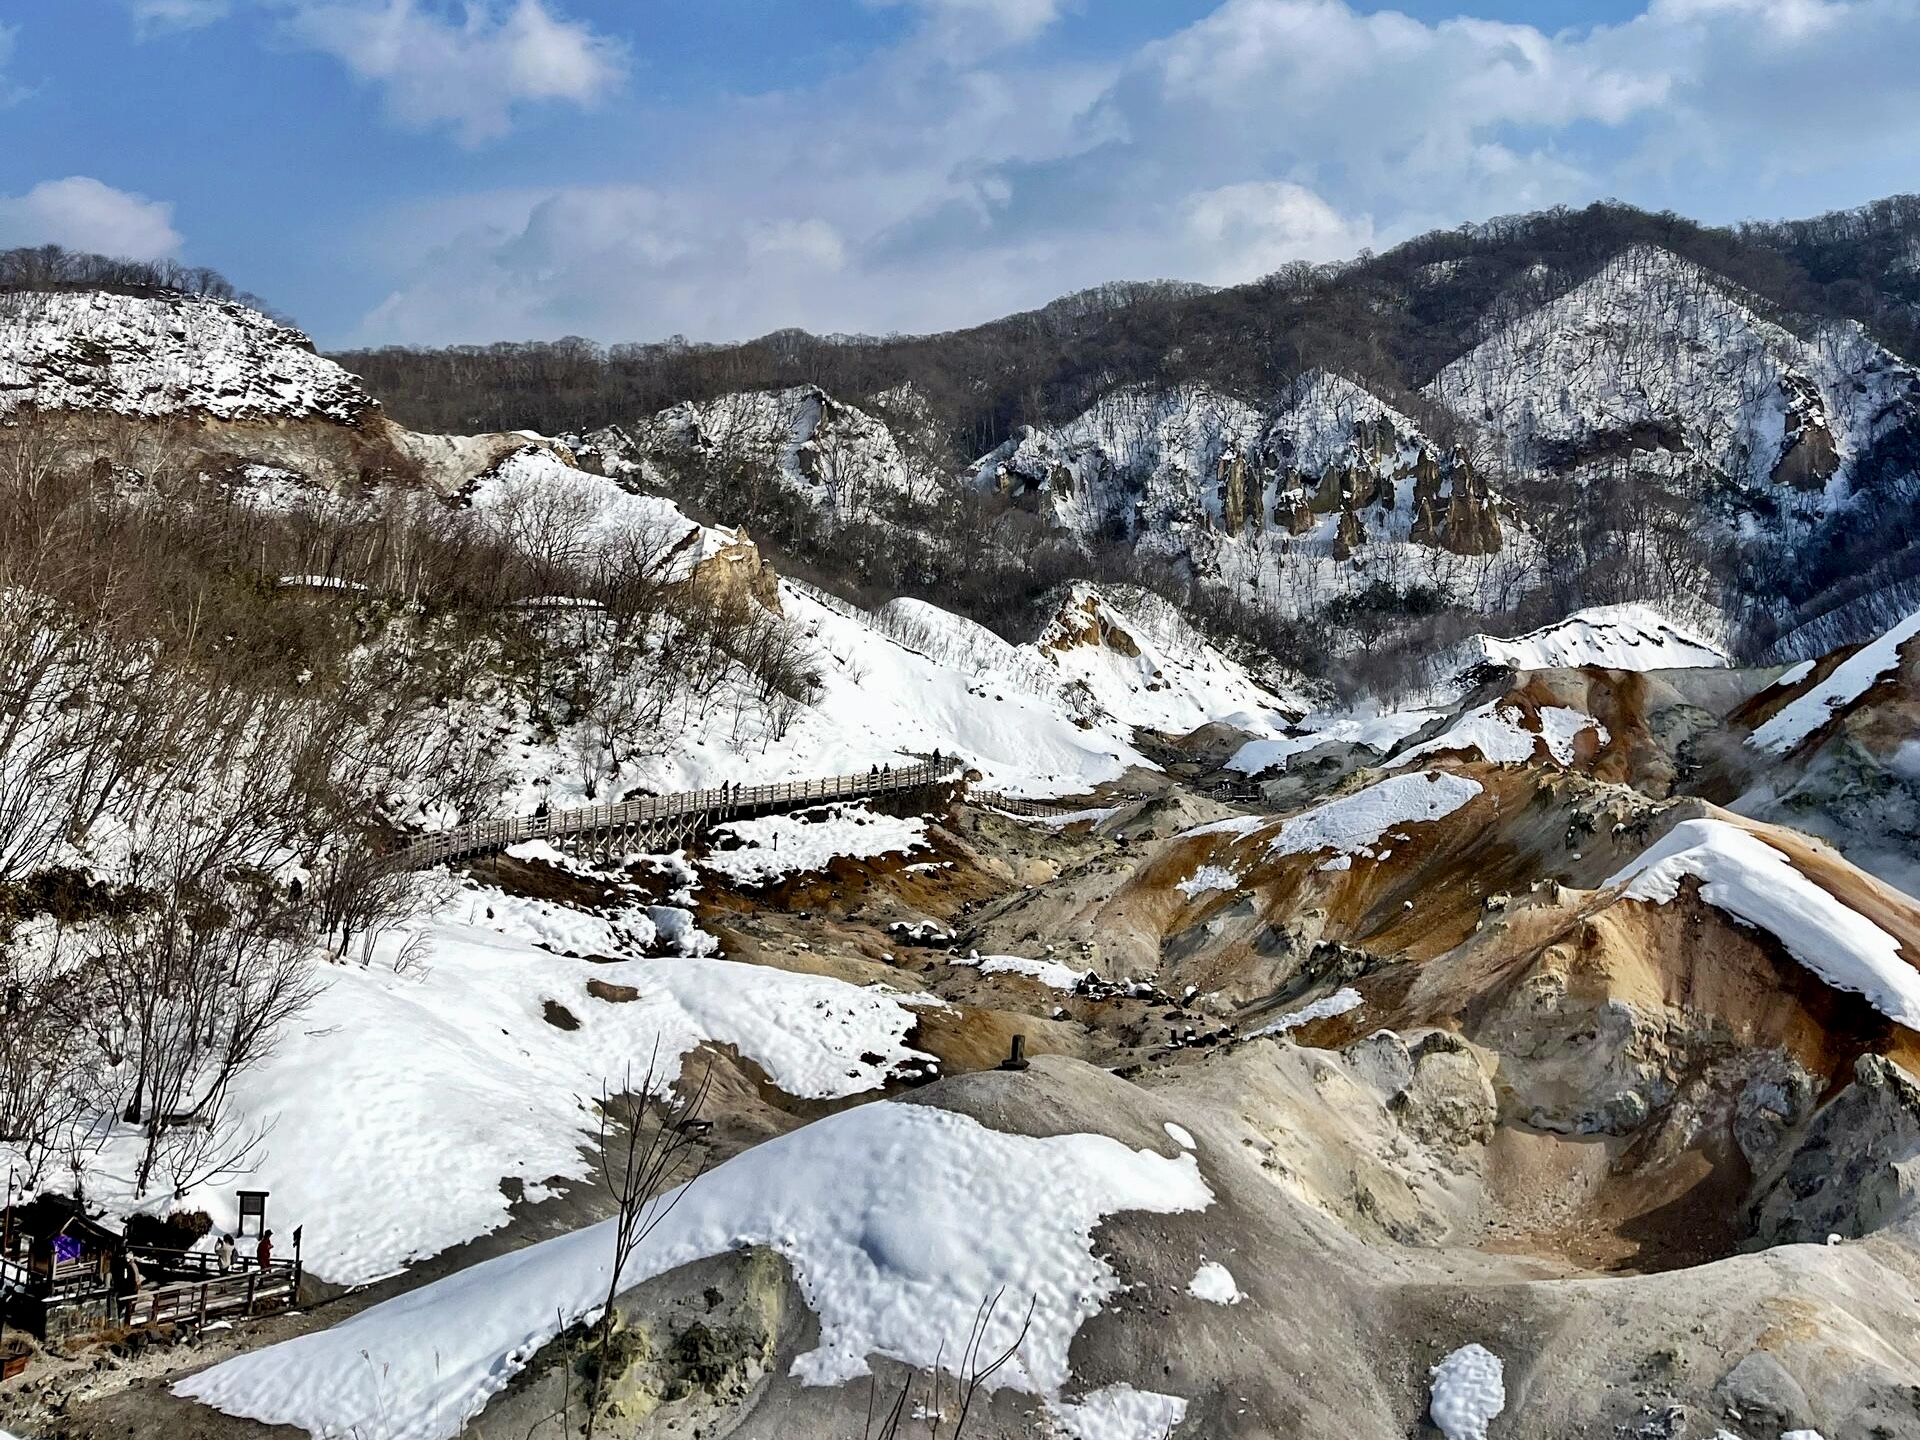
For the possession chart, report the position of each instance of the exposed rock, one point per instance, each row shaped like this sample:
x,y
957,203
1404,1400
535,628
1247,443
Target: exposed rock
x,y
1447,1104
1854,1169
1759,1391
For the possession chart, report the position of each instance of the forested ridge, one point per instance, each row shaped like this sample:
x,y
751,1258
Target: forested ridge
x,y
1391,319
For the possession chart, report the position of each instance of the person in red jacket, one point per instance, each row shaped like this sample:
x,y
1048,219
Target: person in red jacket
x,y
265,1252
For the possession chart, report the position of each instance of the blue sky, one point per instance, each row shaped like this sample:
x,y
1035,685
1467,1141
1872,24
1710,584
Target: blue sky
x,y
431,171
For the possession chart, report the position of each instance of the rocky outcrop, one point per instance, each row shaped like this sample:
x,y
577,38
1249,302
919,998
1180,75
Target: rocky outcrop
x,y
1854,1169
1808,456
1453,508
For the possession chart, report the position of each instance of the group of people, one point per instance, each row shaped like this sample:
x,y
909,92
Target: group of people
x,y
226,1253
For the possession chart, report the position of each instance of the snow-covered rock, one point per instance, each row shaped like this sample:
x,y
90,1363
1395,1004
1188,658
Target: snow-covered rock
x,y
836,455
1760,886
1329,470
162,356
1852,678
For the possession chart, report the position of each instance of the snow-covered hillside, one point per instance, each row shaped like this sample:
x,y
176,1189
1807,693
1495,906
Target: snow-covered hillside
x,y
162,356
1611,637
1328,469
1055,716
1656,359
835,455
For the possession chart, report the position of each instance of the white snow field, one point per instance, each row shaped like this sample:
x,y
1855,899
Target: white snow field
x,y
1849,680
1758,885
1352,824
427,1089
1469,1390
896,1219
776,846
1607,637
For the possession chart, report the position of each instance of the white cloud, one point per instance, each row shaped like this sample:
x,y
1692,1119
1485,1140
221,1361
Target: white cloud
x,y
469,74
1255,227
962,29
467,68
83,214
933,187
153,15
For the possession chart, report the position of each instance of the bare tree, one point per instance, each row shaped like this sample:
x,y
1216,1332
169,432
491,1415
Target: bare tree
x,y
648,1171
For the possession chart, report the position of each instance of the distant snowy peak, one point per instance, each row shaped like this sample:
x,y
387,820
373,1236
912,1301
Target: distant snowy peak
x,y
165,356
1608,637
837,455
1657,360
1329,469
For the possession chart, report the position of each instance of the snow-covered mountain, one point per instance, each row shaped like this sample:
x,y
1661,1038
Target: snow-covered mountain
x,y
1659,364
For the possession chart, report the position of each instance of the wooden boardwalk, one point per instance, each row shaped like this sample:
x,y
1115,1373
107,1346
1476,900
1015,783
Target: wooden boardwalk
x,y
195,1290
659,822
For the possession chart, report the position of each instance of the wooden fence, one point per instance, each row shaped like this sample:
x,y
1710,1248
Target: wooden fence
x,y
657,820
1020,805
197,1290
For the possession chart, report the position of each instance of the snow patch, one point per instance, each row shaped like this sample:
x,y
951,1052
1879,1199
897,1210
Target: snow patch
x,y
1353,823
893,1258
1759,886
1494,730
1050,973
1561,727
1374,732
1850,679
1120,1412
1468,1390
776,846
1339,1003
1206,878
1214,1283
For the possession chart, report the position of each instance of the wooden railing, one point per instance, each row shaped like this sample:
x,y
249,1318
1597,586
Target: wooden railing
x,y
1020,805
196,1301
712,806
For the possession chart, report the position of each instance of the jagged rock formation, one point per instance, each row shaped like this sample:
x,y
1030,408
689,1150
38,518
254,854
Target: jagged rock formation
x,y
1330,466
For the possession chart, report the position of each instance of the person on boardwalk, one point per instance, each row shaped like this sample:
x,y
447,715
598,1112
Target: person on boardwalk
x,y
265,1253
225,1253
